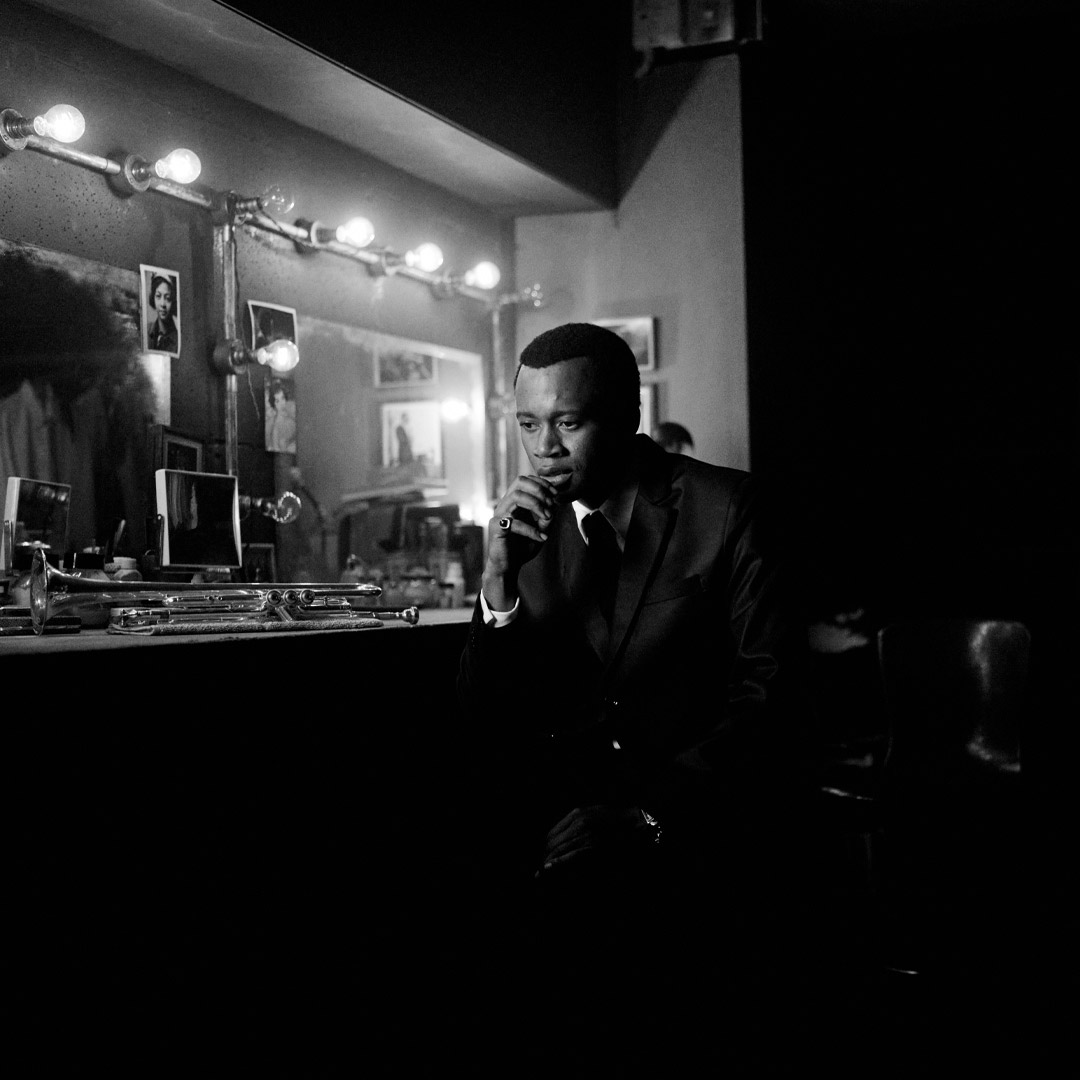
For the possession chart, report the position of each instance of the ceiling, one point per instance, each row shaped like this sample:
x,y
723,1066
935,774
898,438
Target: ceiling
x,y
216,44
206,40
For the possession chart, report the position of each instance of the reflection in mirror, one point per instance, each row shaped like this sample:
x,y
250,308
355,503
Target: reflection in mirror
x,y
75,397
381,421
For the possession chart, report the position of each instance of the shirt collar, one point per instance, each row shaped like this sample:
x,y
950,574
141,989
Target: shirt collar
x,y
617,509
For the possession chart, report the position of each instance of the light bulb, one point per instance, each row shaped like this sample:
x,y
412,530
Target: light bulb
x,y
484,275
276,199
279,355
183,166
64,123
358,232
453,409
427,257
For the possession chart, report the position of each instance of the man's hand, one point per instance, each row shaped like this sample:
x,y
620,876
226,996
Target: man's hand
x,y
594,830
527,506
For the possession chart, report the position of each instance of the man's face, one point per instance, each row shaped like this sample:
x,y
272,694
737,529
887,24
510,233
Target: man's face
x,y
572,436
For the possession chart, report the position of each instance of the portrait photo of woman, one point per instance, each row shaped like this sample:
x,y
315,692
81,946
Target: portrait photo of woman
x,y
280,416
161,309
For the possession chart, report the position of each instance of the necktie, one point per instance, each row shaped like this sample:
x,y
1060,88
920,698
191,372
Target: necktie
x,y
604,558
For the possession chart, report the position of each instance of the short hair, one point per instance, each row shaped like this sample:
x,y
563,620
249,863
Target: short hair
x,y
669,434
611,359
161,279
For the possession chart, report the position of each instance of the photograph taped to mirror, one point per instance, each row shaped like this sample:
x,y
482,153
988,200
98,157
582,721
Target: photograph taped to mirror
x,y
35,515
201,515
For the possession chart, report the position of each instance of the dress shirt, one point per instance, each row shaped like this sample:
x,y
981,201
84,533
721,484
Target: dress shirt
x,y
616,509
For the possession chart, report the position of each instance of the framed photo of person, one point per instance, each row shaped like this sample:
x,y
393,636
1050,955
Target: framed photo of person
x,y
412,438
270,322
159,291
639,333
260,563
279,413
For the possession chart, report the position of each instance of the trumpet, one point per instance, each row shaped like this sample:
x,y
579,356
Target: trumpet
x,y
52,591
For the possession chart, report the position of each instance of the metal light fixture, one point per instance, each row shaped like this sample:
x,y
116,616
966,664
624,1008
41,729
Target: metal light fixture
x,y
478,281
280,356
357,232
484,275
63,123
181,167
426,258
274,200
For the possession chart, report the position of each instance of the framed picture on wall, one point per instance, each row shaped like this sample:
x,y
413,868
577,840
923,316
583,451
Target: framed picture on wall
x,y
159,290
279,412
639,332
260,563
648,408
176,451
404,366
412,438
270,322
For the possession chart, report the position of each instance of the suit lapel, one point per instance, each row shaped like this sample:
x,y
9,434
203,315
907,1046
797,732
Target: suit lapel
x,y
651,523
646,541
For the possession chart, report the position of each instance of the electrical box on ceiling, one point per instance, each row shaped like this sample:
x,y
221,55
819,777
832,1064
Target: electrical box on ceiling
x,y
693,24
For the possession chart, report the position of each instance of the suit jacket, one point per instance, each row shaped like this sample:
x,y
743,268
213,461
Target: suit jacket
x,y
685,708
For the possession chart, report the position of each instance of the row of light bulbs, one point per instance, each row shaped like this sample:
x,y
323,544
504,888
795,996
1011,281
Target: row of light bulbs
x,y
65,124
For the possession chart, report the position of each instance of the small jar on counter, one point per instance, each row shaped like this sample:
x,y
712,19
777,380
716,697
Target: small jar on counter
x,y
123,568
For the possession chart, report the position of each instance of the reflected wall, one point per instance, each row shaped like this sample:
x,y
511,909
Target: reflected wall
x,y
133,103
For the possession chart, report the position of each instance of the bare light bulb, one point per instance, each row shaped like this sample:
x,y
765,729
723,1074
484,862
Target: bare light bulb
x,y
276,199
64,123
182,166
357,232
280,355
427,257
484,275
453,409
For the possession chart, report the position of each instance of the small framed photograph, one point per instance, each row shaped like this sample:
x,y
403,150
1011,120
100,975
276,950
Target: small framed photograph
x,y
260,563
177,451
279,412
412,438
639,333
160,307
648,408
404,366
271,322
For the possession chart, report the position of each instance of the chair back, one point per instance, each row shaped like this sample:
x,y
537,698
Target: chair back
x,y
950,862
953,693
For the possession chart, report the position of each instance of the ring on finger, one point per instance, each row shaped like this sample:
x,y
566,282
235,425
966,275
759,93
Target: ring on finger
x,y
505,523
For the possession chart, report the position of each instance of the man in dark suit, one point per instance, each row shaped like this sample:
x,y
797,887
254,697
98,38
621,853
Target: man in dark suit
x,y
639,730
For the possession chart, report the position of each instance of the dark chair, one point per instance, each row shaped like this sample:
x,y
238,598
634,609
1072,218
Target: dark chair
x,y
949,868
938,915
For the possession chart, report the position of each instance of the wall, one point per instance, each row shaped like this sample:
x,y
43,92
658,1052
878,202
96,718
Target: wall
x,y
911,280
673,249
136,106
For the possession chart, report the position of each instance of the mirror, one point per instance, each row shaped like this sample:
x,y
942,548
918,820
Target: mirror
x,y
76,395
